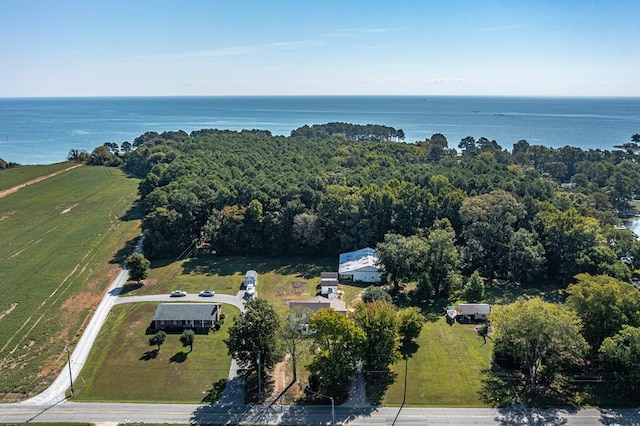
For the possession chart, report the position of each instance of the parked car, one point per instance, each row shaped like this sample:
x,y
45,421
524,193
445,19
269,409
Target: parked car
x,y
207,293
178,293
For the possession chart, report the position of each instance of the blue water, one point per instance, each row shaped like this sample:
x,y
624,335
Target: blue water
x,y
43,130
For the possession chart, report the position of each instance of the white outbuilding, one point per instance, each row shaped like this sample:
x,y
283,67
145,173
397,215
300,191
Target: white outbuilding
x,y
360,265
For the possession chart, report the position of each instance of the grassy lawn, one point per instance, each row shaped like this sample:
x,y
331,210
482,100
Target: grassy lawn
x,y
123,367
445,369
280,279
18,175
62,242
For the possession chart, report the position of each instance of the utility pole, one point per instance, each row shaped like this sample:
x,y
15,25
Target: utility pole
x,y
259,377
333,406
70,375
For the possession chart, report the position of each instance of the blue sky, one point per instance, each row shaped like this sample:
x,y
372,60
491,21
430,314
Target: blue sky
x,y
302,47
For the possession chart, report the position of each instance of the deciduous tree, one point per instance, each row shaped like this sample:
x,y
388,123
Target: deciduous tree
x,y
604,304
138,266
620,357
379,322
410,324
254,336
340,349
158,339
537,335
187,338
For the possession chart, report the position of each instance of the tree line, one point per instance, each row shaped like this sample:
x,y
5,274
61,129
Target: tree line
x,y
535,212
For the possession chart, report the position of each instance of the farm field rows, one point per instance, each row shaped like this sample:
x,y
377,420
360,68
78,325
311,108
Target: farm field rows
x,y
19,175
62,241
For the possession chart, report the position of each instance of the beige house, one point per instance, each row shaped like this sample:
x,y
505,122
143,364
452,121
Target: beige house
x,y
302,310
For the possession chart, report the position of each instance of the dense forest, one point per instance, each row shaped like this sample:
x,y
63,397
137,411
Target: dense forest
x,y
440,217
517,215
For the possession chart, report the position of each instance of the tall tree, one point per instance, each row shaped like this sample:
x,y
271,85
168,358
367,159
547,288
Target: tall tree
x,y
138,266
403,257
604,304
489,224
566,234
442,258
340,349
379,322
293,335
537,334
526,257
254,336
410,323
620,357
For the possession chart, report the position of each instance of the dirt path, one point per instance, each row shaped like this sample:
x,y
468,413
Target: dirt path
x,y
35,180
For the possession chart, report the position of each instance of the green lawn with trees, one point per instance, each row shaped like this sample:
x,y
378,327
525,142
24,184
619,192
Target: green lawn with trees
x,y
63,239
125,366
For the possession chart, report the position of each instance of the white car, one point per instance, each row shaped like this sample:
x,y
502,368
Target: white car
x,y
178,293
207,293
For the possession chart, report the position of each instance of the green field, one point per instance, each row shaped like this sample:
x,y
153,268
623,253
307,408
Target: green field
x,y
280,280
19,175
62,242
123,367
445,369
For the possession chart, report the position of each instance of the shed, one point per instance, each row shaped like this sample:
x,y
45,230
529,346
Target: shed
x,y
177,316
329,284
468,312
360,265
250,279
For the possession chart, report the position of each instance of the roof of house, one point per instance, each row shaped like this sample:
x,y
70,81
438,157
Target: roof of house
x,y
360,259
328,279
186,311
319,302
328,275
474,308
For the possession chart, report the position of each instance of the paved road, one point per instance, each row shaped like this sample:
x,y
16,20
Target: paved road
x,y
309,415
236,300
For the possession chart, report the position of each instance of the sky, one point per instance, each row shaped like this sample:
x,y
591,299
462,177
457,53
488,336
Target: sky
x,y
309,47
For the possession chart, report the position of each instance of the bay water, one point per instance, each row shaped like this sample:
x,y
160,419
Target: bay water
x,y
43,130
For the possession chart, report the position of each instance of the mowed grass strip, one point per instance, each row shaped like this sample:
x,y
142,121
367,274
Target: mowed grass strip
x,y
59,243
122,366
445,371
19,175
280,279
